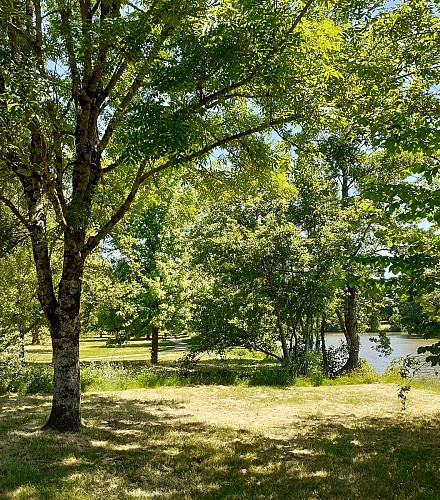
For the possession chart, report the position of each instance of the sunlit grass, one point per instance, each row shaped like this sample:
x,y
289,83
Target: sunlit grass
x,y
237,442
97,348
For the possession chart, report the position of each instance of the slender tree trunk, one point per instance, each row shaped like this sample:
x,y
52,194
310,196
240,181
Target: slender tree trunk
x,y
349,327
349,320
21,347
154,345
323,346
285,349
36,336
286,354
294,337
317,336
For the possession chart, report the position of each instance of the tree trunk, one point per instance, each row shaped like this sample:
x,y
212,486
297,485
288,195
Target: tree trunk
x,y
286,354
323,346
21,352
317,336
350,331
65,415
154,345
65,328
36,336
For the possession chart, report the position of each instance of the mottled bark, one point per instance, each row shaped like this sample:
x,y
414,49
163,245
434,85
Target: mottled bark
x,y
65,415
65,328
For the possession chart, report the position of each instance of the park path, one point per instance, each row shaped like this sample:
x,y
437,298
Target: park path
x,y
122,356
179,347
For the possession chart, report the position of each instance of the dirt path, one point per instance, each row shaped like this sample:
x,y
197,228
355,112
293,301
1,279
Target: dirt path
x,y
180,346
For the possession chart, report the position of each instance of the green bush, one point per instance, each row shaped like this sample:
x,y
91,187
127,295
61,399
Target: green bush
x,y
23,378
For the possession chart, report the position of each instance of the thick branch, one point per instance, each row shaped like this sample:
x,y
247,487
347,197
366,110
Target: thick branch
x,y
113,165
234,137
93,241
104,46
116,76
215,96
71,56
299,17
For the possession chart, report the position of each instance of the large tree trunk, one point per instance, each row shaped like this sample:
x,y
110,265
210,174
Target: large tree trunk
x,y
65,329
66,402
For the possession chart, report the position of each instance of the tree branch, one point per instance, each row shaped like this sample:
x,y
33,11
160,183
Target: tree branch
x,y
71,56
113,165
299,17
135,86
14,210
93,241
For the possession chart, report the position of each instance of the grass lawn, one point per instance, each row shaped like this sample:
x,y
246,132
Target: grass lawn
x,y
211,442
96,348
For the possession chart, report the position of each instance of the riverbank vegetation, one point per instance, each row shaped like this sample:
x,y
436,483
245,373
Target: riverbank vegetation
x,y
180,369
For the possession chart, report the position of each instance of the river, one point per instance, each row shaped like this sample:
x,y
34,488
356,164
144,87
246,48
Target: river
x,y
401,344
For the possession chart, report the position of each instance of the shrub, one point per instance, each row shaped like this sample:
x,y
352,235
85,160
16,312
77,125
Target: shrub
x,y
24,378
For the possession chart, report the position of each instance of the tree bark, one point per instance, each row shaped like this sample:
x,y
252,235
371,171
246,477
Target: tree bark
x,y
36,336
65,415
349,328
65,328
323,345
21,347
155,345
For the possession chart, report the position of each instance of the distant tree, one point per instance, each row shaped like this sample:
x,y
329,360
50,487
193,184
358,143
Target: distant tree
x,y
21,317
151,264
266,277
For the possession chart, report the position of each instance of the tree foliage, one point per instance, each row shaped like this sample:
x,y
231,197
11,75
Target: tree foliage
x,y
100,100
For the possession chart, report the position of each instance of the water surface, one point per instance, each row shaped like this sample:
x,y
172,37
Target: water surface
x,y
402,345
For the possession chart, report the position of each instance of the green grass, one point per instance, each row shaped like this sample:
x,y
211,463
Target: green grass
x,y
114,374
215,442
96,348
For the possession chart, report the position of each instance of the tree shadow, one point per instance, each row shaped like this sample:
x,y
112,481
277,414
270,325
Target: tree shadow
x,y
136,448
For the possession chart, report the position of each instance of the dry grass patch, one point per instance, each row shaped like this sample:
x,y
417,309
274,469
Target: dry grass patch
x,y
214,442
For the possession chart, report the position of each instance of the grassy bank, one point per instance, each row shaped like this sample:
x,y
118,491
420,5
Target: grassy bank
x,y
116,375
211,442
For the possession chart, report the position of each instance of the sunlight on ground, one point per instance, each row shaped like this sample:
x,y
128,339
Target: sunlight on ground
x,y
227,442
95,349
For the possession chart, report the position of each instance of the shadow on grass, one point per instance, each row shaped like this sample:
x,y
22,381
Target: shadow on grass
x,y
138,448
